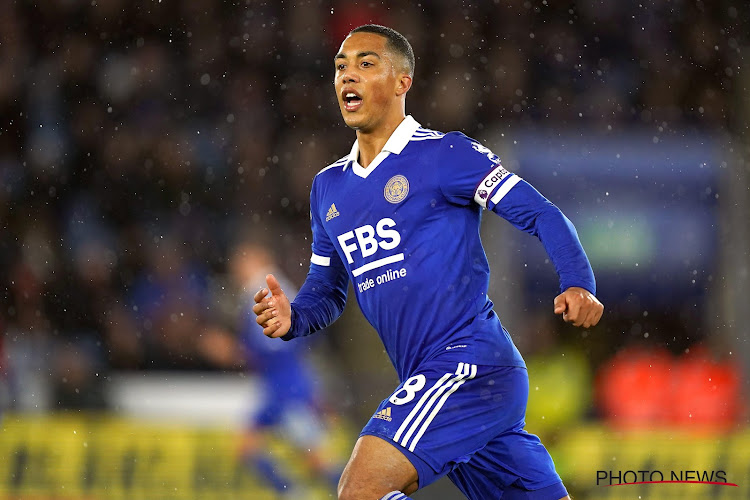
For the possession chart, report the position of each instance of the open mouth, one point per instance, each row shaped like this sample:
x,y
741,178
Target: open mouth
x,y
352,101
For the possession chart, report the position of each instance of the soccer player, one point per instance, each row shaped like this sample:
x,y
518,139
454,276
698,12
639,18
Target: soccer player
x,y
290,402
399,217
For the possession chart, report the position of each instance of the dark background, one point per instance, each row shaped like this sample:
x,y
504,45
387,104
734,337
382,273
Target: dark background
x,y
140,141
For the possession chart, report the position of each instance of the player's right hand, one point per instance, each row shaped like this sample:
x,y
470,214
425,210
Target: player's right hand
x,y
274,313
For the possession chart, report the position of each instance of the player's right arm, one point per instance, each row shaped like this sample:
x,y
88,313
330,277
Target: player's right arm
x,y
273,313
320,300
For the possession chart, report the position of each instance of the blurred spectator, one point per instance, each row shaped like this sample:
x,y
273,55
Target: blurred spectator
x,y
5,387
119,118
171,306
291,398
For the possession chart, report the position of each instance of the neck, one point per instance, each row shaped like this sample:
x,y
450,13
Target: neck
x,y
371,143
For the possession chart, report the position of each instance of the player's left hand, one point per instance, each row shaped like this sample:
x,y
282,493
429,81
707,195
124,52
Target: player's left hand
x,y
579,306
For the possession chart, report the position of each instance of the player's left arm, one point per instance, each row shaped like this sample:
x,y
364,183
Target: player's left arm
x,y
471,173
528,210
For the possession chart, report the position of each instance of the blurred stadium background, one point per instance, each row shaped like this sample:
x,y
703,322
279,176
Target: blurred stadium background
x,y
140,142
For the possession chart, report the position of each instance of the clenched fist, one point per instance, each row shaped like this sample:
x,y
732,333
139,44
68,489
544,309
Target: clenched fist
x,y
579,307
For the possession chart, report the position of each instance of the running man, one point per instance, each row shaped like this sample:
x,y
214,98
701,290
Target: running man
x,y
399,216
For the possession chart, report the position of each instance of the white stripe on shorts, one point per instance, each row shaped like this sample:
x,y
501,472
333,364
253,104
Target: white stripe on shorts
x,y
419,405
430,398
394,495
440,405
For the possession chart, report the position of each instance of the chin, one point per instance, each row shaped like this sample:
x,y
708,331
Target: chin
x,y
354,122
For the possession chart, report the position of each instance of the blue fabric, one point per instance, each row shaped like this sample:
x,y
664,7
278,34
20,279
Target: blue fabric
x,y
286,376
529,211
475,436
395,495
267,470
320,301
407,236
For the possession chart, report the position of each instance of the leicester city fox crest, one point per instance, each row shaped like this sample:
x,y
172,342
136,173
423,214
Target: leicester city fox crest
x,y
396,189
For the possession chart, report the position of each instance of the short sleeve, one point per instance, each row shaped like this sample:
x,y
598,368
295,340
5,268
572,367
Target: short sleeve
x,y
470,172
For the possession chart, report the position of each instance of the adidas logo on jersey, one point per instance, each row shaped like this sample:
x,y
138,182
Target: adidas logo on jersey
x,y
332,212
384,414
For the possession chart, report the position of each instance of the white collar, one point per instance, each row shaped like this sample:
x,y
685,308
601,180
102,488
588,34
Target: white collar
x,y
395,144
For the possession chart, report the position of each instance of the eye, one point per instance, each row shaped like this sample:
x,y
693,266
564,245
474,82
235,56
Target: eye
x,y
366,63
340,67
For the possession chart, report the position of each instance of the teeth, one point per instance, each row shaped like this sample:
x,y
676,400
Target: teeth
x,y
351,94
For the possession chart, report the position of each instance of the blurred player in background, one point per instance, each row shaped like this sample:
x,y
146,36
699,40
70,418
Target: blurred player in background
x,y
290,405
4,386
399,217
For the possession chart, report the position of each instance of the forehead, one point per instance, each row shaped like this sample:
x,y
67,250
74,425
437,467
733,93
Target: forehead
x,y
363,42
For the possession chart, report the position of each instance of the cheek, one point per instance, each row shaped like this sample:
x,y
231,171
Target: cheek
x,y
380,92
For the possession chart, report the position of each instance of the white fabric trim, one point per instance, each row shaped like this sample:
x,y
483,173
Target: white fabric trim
x,y
432,401
504,189
394,495
320,260
337,163
426,137
395,144
420,404
402,135
364,172
471,375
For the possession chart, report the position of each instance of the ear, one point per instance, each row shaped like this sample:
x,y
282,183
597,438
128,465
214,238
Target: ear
x,y
403,84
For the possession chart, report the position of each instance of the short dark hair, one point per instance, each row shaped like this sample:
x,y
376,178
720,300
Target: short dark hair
x,y
395,41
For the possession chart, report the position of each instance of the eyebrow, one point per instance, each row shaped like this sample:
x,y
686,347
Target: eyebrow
x,y
341,55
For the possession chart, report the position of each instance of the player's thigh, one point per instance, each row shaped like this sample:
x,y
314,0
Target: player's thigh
x,y
447,411
520,467
514,462
375,468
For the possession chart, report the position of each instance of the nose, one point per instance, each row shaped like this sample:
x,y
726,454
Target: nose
x,y
349,76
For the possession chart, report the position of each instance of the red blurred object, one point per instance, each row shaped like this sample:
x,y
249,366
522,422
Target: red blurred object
x,y
642,389
632,388
706,393
346,16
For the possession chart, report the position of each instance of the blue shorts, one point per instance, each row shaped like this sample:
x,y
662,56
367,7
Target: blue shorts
x,y
466,421
291,410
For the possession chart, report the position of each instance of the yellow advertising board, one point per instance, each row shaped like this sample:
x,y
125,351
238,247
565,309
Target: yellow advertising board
x,y
96,457
104,457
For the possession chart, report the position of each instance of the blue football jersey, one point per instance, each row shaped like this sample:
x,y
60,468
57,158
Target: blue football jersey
x,y
405,232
